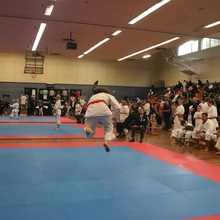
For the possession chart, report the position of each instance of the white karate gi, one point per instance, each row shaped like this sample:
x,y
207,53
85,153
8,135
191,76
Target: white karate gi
x,y
210,131
198,121
124,112
15,110
204,107
147,108
78,109
98,112
181,132
179,111
212,115
57,111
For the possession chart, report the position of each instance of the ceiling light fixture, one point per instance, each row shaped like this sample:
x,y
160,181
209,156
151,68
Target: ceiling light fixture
x,y
116,32
149,48
213,24
149,11
96,45
50,7
146,56
49,10
81,56
39,35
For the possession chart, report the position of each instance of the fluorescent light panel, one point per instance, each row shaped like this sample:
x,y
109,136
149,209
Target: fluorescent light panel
x,y
149,11
116,32
149,48
39,35
96,45
213,24
146,56
81,56
49,9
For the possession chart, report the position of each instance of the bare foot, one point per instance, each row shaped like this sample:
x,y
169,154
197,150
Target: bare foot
x,y
217,153
89,129
206,149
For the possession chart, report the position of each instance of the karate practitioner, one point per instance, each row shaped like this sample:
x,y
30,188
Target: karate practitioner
x,y
15,110
206,131
57,112
212,112
198,117
124,112
185,131
179,111
98,111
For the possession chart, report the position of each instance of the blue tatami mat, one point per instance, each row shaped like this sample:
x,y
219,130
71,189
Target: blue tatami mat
x,y
38,130
84,183
28,118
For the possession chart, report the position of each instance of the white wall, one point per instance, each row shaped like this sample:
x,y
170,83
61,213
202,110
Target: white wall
x,y
80,71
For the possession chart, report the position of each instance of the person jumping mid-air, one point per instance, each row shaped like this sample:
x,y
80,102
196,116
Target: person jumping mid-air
x,y
98,112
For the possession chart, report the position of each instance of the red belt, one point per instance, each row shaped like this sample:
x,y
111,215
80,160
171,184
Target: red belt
x,y
212,118
96,101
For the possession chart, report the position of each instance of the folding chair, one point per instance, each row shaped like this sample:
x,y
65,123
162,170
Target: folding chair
x,y
182,143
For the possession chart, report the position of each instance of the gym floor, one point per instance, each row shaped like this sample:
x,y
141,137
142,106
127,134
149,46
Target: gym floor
x,y
65,176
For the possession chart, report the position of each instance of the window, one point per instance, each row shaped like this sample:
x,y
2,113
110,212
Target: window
x,y
209,42
188,47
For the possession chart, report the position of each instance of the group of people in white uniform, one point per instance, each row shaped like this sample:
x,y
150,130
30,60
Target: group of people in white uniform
x,y
205,125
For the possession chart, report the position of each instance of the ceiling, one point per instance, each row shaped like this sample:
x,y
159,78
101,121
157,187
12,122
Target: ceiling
x,y
90,21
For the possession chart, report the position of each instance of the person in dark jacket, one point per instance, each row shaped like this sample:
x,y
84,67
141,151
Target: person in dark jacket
x,y
140,125
127,123
167,115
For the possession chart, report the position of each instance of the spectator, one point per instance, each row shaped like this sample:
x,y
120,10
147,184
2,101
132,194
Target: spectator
x,y
207,131
127,123
167,115
140,125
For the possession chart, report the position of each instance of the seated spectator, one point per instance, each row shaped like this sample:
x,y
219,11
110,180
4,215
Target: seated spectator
x,y
206,86
124,112
140,125
199,84
185,131
127,123
207,131
179,85
150,94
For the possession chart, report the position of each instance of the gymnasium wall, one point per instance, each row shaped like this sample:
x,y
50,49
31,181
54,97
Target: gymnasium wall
x,y
80,71
208,68
127,78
